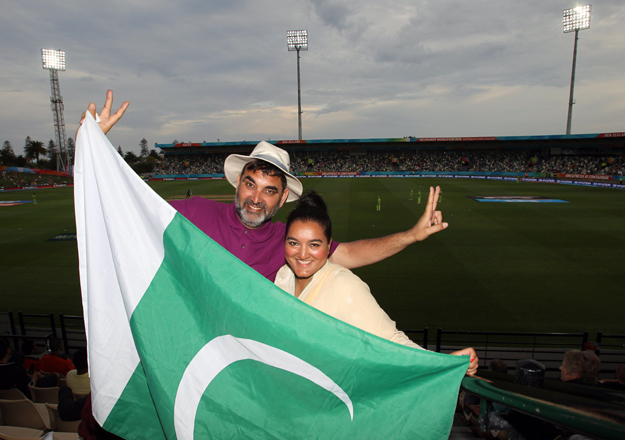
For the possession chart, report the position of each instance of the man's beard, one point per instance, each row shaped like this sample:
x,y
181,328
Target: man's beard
x,y
250,220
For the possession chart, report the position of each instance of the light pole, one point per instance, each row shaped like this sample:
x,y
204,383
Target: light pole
x,y
298,40
54,60
575,20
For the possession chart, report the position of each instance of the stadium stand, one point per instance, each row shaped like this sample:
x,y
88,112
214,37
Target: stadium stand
x,y
513,161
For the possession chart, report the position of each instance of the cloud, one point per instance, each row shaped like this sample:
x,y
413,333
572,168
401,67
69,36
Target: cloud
x,y
198,70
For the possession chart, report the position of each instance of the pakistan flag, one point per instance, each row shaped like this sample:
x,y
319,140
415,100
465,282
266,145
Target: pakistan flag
x,y
187,342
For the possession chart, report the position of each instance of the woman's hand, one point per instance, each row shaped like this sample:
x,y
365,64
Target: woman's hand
x,y
474,359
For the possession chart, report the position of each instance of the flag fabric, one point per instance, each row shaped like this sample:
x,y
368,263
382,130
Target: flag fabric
x,y
187,342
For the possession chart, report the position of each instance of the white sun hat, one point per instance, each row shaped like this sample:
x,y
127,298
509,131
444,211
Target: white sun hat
x,y
234,164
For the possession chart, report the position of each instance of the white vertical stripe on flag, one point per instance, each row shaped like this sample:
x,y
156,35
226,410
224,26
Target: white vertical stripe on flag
x,y
116,265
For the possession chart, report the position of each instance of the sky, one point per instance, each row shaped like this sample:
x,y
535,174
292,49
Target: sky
x,y
203,71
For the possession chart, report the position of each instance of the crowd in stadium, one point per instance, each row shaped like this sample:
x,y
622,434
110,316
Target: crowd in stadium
x,y
578,368
522,161
12,179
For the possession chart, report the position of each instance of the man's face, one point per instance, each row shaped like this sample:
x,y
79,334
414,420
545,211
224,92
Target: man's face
x,y
258,198
565,374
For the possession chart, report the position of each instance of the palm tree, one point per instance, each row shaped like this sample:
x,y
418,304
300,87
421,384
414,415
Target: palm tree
x,y
34,149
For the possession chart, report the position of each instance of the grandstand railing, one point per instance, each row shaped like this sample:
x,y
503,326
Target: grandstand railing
x,y
42,327
423,333
547,348
72,331
37,326
597,413
611,348
10,319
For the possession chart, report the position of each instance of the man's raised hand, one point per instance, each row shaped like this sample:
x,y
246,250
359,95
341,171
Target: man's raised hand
x,y
431,221
107,120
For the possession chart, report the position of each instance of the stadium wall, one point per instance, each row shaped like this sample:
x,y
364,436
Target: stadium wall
x,y
561,178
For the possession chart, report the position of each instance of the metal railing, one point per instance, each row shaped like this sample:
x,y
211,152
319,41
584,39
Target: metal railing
x,y
611,348
72,332
547,348
423,333
580,409
512,346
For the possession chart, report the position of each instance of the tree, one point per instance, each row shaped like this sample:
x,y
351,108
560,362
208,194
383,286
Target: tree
x,y
144,149
154,154
34,149
52,150
7,155
131,157
71,148
52,154
119,150
27,144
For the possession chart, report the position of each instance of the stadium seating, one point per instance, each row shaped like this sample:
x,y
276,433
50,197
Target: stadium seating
x,y
25,414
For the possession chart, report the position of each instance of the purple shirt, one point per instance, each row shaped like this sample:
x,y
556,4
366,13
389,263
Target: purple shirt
x,y
262,249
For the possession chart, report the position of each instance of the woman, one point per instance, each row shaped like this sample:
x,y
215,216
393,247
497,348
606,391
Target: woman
x,y
331,288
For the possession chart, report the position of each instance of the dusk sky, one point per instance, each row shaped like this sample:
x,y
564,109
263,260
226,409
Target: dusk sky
x,y
204,70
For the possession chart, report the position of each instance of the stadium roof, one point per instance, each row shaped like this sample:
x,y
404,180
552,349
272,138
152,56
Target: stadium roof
x,y
593,141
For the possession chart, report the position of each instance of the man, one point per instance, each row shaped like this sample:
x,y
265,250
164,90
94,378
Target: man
x,y
263,184
78,379
55,361
13,374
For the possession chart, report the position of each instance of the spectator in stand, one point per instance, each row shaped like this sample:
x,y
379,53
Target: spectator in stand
x,y
615,384
56,361
78,379
13,374
578,368
71,409
498,366
28,349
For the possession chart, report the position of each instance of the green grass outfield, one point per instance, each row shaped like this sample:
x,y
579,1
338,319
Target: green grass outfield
x,y
498,267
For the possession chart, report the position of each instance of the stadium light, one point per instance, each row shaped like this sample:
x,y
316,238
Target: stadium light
x,y
574,20
54,60
296,41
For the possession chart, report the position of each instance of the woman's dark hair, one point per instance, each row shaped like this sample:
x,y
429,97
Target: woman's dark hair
x,y
311,208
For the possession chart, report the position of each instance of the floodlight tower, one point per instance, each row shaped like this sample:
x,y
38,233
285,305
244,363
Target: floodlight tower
x,y
575,19
298,40
54,60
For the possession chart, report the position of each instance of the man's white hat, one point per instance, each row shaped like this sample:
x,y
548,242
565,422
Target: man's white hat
x,y
234,164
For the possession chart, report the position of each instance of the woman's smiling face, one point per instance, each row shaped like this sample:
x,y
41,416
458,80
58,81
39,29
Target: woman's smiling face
x,y
306,249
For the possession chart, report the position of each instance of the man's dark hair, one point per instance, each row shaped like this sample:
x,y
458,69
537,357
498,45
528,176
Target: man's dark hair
x,y
28,346
498,366
266,169
311,208
4,347
80,359
56,344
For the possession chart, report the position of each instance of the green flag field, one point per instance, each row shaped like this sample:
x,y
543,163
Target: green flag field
x,y
498,267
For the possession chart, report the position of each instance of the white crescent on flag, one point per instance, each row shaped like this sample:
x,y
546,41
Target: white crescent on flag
x,y
225,350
